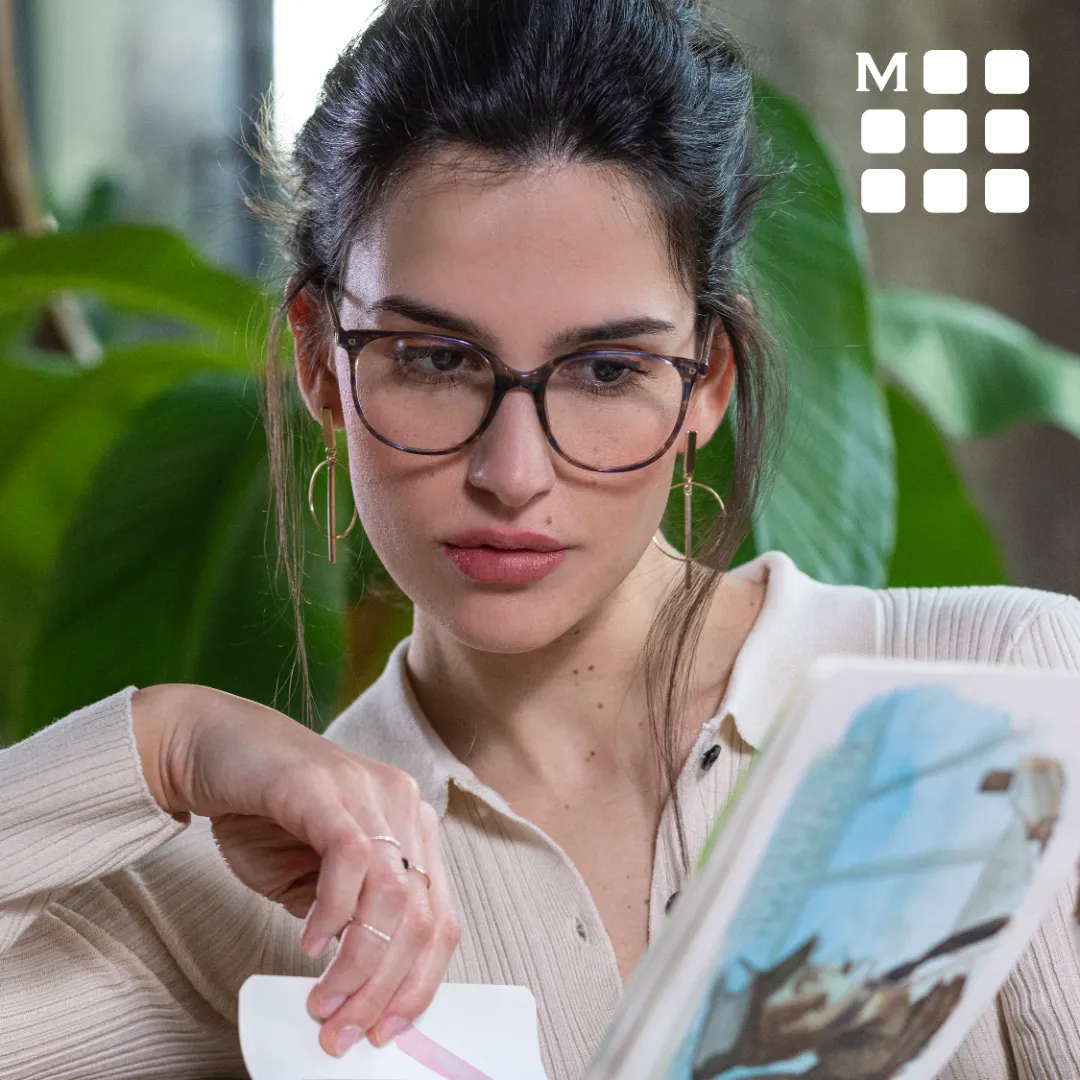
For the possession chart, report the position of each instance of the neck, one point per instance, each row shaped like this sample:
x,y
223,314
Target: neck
x,y
569,717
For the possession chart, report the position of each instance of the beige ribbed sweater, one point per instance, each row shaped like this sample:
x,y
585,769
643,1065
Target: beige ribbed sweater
x,y
124,938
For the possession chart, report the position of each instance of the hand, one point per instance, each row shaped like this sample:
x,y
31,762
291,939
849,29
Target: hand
x,y
293,814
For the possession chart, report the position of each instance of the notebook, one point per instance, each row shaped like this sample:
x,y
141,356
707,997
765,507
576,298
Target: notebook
x,y
873,879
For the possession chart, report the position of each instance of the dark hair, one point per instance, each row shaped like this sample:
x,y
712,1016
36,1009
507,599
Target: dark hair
x,y
649,88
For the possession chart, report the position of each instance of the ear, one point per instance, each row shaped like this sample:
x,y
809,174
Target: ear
x,y
314,348
712,392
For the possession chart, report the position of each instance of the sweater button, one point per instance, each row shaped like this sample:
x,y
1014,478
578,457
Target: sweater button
x,y
579,926
670,901
710,756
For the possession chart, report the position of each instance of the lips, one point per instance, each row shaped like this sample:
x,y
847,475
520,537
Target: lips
x,y
507,566
504,541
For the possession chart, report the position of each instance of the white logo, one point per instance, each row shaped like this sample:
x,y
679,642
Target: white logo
x,y
945,131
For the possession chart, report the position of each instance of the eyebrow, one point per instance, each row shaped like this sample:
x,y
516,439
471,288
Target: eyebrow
x,y
410,307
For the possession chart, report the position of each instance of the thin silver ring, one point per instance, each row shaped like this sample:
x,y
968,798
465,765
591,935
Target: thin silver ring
x,y
377,933
388,839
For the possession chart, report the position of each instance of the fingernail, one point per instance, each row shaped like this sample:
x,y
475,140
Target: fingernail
x,y
394,1026
329,1006
314,948
346,1037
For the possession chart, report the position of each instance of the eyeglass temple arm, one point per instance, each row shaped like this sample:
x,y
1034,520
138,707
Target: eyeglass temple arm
x,y
691,436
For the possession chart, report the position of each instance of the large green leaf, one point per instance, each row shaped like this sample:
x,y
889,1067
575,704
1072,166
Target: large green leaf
x,y
941,537
833,504
57,422
974,370
140,268
165,573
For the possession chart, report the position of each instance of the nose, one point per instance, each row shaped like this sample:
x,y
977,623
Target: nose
x,y
512,458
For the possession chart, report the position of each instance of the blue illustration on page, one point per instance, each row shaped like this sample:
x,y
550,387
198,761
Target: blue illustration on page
x,y
901,856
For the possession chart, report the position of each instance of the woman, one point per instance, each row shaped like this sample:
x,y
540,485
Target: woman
x,y
520,795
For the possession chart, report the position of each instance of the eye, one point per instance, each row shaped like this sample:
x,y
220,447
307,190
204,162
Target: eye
x,y
442,358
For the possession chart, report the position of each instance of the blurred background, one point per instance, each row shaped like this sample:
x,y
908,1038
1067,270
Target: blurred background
x,y
1027,265
138,111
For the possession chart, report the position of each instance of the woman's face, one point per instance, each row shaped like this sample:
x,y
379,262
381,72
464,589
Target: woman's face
x,y
524,259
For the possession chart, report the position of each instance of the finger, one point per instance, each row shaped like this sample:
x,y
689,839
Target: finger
x,y
384,901
342,994
398,816
345,852
359,953
410,940
418,989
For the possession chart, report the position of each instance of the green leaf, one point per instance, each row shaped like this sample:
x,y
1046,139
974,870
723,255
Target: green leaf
x,y
138,267
974,370
166,572
56,423
941,538
833,504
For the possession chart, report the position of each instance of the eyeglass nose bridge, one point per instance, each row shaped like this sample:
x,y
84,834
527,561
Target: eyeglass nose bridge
x,y
507,379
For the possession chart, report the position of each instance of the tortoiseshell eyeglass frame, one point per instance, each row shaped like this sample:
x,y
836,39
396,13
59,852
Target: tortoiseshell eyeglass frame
x,y
535,381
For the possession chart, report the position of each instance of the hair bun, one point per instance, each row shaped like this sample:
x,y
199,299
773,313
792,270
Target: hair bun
x,y
688,12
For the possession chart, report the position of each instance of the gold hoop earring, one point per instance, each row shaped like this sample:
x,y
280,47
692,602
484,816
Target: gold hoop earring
x,y
687,483
331,462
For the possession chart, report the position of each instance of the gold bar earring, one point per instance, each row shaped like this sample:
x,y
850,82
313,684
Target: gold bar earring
x,y
330,462
687,483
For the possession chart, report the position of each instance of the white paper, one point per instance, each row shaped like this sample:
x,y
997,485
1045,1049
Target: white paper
x,y
493,1028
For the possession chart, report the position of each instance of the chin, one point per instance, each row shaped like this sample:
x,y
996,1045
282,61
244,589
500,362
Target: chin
x,y
510,622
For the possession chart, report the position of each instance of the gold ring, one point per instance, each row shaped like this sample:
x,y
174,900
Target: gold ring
x,y
418,869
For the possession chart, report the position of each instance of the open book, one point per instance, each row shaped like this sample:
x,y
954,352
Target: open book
x,y
870,885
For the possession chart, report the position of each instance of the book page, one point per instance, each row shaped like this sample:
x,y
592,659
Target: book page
x,y
920,822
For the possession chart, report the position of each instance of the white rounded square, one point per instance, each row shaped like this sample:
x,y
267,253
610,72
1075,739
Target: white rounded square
x,y
1007,131
884,131
882,191
1007,71
945,131
1006,191
945,71
945,191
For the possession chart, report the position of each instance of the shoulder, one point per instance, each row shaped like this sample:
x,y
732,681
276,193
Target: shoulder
x,y
1050,637
991,623
965,623
984,623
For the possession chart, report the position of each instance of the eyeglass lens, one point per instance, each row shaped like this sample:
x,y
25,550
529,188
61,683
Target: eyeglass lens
x,y
608,411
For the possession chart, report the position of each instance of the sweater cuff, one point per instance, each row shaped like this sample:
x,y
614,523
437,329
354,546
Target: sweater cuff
x,y
74,803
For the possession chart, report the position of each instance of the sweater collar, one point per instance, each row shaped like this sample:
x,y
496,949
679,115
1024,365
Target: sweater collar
x,y
799,619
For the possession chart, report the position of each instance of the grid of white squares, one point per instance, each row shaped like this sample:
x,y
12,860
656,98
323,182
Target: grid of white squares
x,y
945,131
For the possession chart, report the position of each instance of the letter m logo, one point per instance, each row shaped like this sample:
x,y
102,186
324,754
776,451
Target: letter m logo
x,y
897,66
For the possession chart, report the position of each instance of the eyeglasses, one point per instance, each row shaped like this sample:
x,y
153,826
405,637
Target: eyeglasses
x,y
606,410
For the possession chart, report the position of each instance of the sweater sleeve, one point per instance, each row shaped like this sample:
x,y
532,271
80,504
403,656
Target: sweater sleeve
x,y
1033,1029
74,805
124,936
